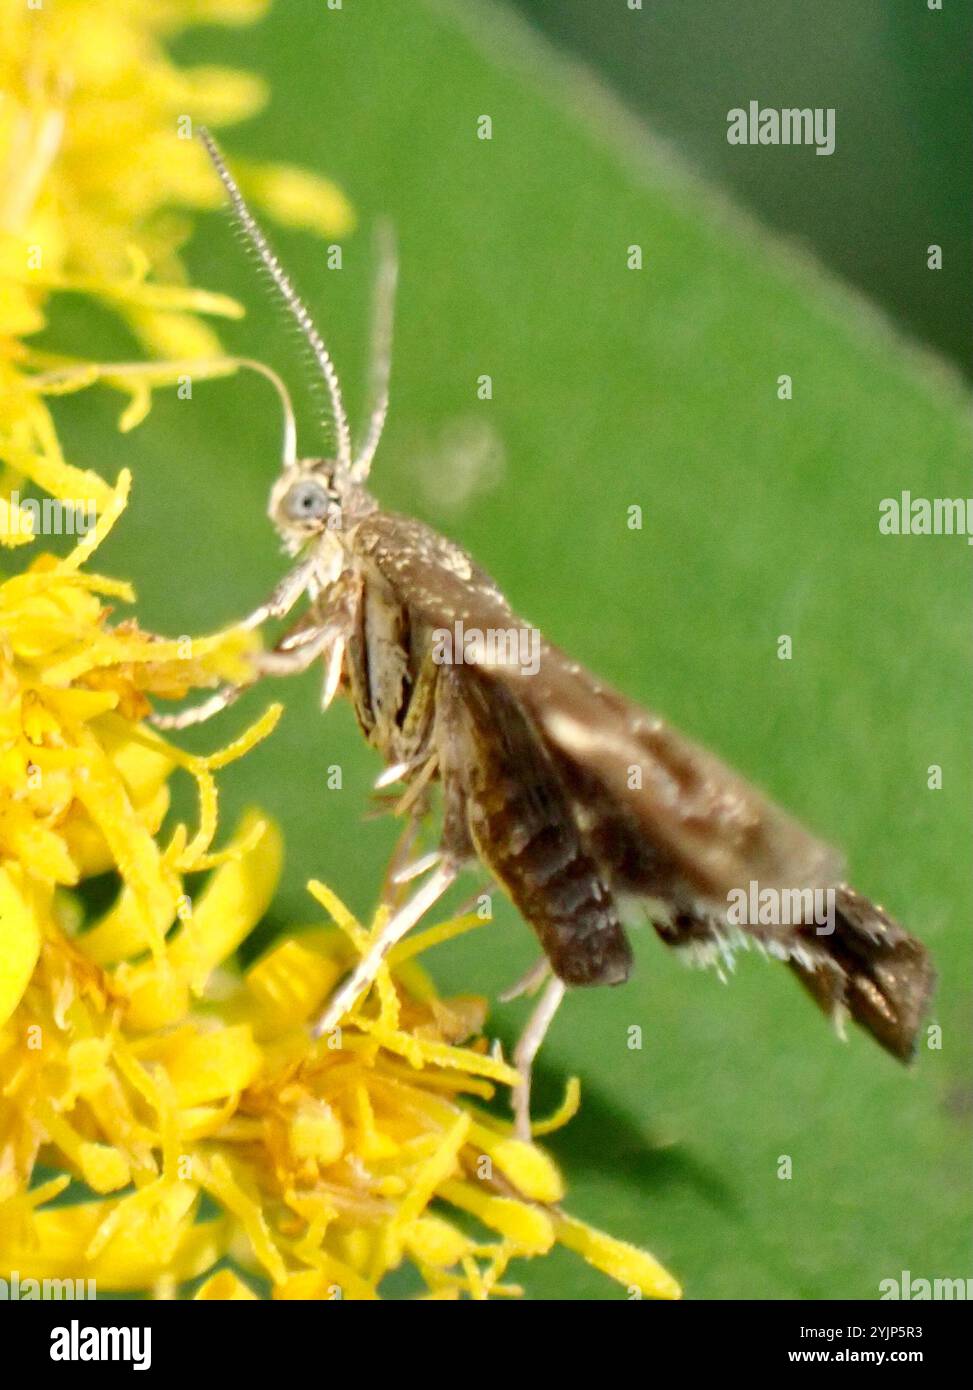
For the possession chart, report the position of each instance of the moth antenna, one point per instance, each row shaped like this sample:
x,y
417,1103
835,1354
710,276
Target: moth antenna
x,y
383,312
254,235
105,371
288,452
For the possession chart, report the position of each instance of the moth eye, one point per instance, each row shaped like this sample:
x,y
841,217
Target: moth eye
x,y
307,501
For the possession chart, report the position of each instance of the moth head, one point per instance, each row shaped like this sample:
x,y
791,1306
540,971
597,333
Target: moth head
x,y
305,501
313,496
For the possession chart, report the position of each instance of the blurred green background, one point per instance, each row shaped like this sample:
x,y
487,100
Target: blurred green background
x,y
897,74
615,387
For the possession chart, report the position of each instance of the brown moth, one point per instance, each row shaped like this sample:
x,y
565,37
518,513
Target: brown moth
x,y
573,797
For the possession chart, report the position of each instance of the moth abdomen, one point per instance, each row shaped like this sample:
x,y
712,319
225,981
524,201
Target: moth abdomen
x,y
522,823
554,881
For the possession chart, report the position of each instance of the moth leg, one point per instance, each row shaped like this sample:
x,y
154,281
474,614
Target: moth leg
x,y
283,597
401,921
397,864
198,714
411,799
417,867
294,659
527,1048
404,867
323,627
529,983
284,660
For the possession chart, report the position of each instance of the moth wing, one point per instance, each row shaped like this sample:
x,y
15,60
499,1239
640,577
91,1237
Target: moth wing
x,y
718,831
435,578
693,820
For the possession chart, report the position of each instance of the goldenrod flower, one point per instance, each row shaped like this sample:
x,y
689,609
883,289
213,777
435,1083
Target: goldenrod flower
x,y
98,172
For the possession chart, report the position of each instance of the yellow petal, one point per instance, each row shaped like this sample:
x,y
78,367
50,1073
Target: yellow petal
x,y
335,1280
232,903
635,1268
167,334
436,1242
221,1182
566,1111
127,927
103,1168
208,1066
528,1227
298,198
317,1132
129,1261
157,995
291,982
20,938
529,1168
225,1287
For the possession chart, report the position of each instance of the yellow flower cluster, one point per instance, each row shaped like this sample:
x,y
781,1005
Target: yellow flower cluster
x,y
167,1121
99,171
